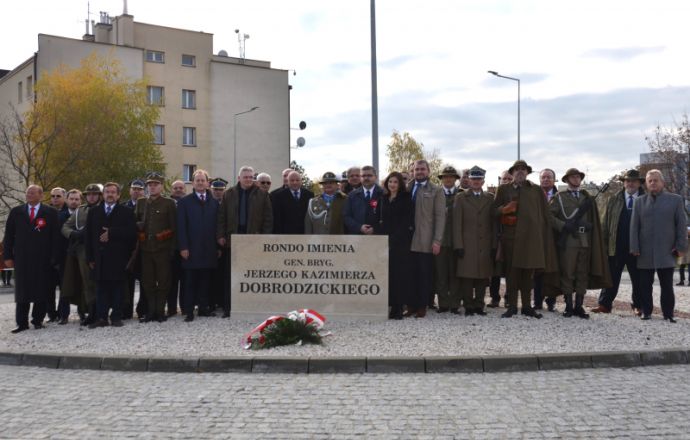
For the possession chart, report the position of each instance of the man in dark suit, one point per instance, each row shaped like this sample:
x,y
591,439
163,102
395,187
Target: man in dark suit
x,y
197,215
290,206
136,191
111,233
31,244
58,198
284,175
358,212
72,204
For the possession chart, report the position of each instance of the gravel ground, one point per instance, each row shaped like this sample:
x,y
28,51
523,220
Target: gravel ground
x,y
437,334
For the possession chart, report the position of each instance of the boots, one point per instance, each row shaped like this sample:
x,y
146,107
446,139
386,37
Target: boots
x,y
579,310
529,311
568,299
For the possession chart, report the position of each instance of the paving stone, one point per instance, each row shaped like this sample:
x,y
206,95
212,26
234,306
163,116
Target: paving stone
x,y
450,364
395,365
664,357
560,361
83,362
173,365
225,365
41,360
270,364
125,363
8,358
616,359
338,365
510,363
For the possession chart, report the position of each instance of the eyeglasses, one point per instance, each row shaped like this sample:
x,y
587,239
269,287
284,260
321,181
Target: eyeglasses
x,y
264,183
56,196
367,175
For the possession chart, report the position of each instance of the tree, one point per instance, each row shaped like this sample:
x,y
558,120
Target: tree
x,y
670,148
87,124
306,181
404,150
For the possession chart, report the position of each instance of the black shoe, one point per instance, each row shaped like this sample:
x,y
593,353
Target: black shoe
x,y
207,314
455,311
117,323
189,318
469,312
480,312
170,314
52,318
493,304
431,306
580,312
398,316
568,314
442,310
20,329
645,317
551,307
538,307
531,313
39,326
88,320
509,313
63,321
226,314
670,319
146,319
681,283
99,323
161,319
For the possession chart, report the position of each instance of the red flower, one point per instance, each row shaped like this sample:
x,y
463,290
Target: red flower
x,y
40,224
374,203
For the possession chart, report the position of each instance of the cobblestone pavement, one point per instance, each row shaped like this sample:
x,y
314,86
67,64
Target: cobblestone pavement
x,y
649,402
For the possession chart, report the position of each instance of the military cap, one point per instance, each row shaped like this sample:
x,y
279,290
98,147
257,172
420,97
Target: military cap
x,y
520,163
572,172
154,176
477,173
219,183
632,175
329,177
137,183
94,188
449,171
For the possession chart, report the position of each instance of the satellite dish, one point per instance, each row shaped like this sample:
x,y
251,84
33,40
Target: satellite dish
x,y
302,125
301,142
222,53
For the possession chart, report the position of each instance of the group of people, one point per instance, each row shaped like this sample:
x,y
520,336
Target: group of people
x,y
448,243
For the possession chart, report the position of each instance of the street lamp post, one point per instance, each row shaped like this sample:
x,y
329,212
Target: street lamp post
x,y
374,92
234,141
518,107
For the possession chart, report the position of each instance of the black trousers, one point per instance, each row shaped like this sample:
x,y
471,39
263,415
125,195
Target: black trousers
x,y
196,290
176,293
668,299
109,294
494,289
539,299
422,281
616,266
21,313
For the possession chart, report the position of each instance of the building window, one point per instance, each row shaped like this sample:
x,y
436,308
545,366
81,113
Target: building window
x,y
159,134
188,60
155,95
188,172
29,87
20,94
154,56
188,99
189,136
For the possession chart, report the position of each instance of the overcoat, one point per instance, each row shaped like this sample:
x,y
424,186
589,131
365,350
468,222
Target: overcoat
x,y
322,219
599,274
658,227
474,230
429,217
288,213
33,246
196,230
357,209
110,257
259,214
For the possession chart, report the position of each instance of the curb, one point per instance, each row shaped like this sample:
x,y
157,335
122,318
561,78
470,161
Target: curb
x,y
352,365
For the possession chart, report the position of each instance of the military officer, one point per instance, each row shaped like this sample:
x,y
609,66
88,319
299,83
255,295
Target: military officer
x,y
325,211
157,223
474,241
77,283
581,252
136,191
218,186
446,283
526,241
220,277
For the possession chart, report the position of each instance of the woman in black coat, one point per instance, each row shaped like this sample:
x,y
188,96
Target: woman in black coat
x,y
396,219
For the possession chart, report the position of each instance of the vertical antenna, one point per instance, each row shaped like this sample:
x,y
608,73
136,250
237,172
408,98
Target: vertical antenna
x,y
124,7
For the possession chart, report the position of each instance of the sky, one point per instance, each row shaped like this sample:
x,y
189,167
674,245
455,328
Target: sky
x,y
596,76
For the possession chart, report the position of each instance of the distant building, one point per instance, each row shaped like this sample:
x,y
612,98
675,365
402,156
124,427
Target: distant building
x,y
200,94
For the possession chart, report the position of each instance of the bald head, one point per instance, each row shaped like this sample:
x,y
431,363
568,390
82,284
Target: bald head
x,y
294,180
34,194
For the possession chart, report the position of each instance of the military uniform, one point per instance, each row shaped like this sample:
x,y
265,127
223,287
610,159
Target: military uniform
x,y
157,222
474,240
133,269
446,283
77,286
219,296
325,213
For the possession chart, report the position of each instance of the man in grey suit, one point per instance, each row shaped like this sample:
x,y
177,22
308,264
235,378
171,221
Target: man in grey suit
x,y
658,234
429,222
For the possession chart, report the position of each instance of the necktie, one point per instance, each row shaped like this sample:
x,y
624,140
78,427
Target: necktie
x,y
630,202
202,197
296,195
414,192
367,196
32,215
575,194
108,209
